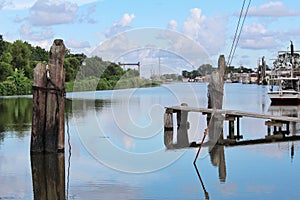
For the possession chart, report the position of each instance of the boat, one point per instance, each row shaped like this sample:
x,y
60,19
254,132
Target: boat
x,y
285,78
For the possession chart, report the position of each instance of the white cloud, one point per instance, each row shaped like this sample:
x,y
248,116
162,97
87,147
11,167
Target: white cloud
x,y
126,20
26,4
77,44
172,24
120,26
128,46
208,31
47,13
255,28
28,34
272,9
194,23
256,36
4,4
45,44
87,16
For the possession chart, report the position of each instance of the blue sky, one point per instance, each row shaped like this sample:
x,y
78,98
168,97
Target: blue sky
x,y
84,24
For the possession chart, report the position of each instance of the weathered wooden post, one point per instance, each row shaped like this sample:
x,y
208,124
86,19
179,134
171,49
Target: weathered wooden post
x,y
216,85
168,128
182,127
47,133
215,100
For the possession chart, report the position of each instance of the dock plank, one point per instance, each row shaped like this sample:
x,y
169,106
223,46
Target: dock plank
x,y
236,113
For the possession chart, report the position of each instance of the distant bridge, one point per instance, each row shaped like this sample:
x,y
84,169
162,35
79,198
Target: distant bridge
x,y
138,64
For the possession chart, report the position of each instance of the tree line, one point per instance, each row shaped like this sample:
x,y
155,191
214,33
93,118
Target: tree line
x,y
207,69
19,58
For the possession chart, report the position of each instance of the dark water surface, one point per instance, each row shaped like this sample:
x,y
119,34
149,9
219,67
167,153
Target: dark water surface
x,y
118,151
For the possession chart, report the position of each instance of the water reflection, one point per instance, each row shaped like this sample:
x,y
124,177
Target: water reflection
x,y
48,176
217,158
201,182
16,114
80,107
217,151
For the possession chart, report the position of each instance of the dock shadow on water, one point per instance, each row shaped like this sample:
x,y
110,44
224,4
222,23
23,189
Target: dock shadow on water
x,y
177,137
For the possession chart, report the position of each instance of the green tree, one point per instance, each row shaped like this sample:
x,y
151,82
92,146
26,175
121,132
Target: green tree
x,y
205,69
185,74
113,71
2,45
130,73
5,71
20,81
6,57
38,54
21,57
72,66
92,67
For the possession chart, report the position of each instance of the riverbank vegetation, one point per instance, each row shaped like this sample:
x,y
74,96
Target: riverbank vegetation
x,y
19,58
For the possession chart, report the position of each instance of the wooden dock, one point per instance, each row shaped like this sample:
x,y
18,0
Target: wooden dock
x,y
277,126
235,113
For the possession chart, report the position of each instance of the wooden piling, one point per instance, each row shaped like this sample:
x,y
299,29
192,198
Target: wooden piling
x,y
168,119
215,100
168,128
216,85
47,133
182,117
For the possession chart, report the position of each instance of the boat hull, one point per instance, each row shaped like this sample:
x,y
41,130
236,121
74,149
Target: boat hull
x,y
281,98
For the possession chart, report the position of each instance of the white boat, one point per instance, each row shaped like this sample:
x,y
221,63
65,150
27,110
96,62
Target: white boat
x,y
285,78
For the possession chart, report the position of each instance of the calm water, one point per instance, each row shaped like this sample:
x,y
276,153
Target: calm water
x,y
118,151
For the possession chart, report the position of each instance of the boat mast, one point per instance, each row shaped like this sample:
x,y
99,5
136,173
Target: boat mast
x,y
292,59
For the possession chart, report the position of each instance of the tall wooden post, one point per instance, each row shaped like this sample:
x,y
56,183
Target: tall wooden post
x,y
216,85
48,102
215,101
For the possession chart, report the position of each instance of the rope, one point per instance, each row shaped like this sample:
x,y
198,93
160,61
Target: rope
x,y
204,136
238,28
69,158
201,181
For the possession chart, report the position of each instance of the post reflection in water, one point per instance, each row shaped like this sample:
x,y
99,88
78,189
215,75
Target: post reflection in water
x,y
216,152
48,176
217,157
202,183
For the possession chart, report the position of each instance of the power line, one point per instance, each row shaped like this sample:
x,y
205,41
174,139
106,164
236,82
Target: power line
x,y
238,28
235,34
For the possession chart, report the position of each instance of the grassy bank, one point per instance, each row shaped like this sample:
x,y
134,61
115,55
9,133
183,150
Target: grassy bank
x,y
8,88
104,84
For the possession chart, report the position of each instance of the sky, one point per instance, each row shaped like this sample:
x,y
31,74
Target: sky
x,y
86,24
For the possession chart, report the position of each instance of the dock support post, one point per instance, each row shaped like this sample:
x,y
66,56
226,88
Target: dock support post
x,y
238,135
293,128
168,128
47,133
182,127
182,117
230,126
287,127
168,119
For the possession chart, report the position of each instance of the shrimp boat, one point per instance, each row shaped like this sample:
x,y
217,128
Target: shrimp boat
x,y
285,78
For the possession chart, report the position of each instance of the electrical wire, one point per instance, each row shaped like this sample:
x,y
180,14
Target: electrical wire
x,y
238,29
